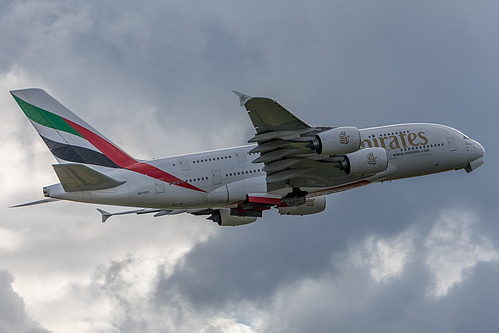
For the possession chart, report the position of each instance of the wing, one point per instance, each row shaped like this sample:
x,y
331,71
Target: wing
x,y
282,140
269,116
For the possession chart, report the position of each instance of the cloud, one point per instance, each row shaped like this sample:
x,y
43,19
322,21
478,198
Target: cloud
x,y
379,283
455,247
352,302
9,241
352,297
387,257
13,315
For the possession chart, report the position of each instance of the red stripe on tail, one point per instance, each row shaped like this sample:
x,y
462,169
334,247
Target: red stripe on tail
x,y
126,161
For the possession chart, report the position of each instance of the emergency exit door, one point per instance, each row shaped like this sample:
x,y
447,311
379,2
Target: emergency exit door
x,y
160,186
217,177
452,144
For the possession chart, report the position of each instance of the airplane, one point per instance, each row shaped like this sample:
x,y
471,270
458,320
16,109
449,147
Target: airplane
x,y
288,164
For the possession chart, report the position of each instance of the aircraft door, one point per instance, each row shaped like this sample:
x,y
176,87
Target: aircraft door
x,y
160,186
217,177
452,144
184,165
240,155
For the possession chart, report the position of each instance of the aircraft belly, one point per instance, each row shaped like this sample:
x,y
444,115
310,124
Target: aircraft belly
x,y
151,195
318,191
412,165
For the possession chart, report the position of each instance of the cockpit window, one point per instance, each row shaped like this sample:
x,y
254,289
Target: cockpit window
x,y
465,137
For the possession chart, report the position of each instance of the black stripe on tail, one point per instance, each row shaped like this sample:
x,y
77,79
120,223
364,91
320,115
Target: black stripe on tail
x,y
78,154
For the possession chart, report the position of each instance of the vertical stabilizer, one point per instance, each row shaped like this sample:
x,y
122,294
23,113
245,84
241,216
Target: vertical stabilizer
x,y
69,138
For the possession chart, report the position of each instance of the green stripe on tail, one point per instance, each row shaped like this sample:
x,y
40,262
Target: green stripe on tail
x,y
45,118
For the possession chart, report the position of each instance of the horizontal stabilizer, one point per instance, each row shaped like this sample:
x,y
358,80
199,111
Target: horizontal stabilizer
x,y
35,202
79,177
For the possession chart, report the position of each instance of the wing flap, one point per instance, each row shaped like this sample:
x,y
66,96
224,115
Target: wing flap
x,y
285,175
79,177
282,142
264,147
297,135
279,165
273,155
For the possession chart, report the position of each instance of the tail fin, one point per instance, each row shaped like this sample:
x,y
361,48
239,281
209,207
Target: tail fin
x,y
69,138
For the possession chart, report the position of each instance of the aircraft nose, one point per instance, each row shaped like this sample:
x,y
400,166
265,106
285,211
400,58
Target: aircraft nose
x,y
479,148
477,153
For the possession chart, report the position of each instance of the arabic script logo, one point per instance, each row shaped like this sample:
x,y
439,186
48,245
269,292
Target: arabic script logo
x,y
344,138
371,159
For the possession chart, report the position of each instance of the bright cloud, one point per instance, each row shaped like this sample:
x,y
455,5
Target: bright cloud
x,y
454,246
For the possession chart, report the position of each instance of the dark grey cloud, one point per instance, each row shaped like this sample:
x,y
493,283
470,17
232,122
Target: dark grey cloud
x,y
13,315
360,287
279,250
400,305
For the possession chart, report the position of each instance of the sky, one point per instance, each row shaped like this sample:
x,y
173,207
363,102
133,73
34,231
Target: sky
x,y
156,78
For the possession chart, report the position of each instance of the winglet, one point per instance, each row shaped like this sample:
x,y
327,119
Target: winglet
x,y
105,215
242,97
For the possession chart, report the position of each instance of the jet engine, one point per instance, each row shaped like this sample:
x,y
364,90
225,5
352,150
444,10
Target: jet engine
x,y
236,191
311,206
337,141
223,218
365,161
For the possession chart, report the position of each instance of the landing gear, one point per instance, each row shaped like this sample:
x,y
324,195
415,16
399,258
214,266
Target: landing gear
x,y
296,198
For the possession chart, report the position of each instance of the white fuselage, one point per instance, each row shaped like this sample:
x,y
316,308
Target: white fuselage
x,y
226,176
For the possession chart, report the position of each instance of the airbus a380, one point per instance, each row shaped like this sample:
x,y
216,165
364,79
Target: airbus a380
x,y
289,165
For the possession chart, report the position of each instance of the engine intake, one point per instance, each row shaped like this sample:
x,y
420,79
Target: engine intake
x,y
336,141
365,161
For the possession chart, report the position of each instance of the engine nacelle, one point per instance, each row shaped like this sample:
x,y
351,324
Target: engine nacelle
x,y
236,191
311,206
223,218
365,161
337,141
